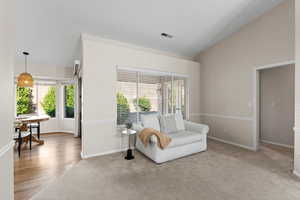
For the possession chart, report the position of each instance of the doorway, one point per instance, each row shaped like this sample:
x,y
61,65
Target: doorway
x,y
45,146
79,106
274,105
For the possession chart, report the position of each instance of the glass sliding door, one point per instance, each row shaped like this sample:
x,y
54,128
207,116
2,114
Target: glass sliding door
x,y
174,92
167,94
179,95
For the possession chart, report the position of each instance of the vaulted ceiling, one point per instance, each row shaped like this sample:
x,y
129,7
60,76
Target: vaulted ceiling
x,y
51,30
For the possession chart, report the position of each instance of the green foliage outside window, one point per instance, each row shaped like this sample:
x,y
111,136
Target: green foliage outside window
x,y
24,101
49,102
122,108
143,103
69,101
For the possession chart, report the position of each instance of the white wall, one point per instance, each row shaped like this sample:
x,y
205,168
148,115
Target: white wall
x,y
7,48
227,72
42,70
297,93
277,105
100,59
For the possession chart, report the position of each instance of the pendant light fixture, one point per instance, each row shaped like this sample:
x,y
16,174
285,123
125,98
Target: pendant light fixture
x,y
25,79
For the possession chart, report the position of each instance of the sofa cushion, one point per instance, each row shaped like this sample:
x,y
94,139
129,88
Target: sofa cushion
x,y
179,122
150,121
184,137
168,123
172,123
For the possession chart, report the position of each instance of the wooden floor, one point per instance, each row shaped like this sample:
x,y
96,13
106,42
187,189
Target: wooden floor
x,y
38,167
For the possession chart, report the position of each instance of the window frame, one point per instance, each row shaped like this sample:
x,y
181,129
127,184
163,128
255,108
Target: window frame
x,y
64,100
186,79
37,83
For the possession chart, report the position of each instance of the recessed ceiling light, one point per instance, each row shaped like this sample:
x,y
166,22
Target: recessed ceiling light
x,y
166,35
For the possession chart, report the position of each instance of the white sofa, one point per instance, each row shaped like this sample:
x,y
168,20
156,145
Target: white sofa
x,y
187,137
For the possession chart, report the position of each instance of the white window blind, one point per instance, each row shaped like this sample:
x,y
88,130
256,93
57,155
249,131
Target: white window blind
x,y
126,95
150,96
179,95
148,92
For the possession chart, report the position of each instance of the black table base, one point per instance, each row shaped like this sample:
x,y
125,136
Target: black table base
x,y
129,155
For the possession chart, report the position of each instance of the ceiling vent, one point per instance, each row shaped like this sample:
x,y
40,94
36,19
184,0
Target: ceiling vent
x,y
166,35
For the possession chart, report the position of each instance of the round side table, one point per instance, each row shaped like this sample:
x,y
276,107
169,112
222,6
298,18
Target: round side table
x,y
129,132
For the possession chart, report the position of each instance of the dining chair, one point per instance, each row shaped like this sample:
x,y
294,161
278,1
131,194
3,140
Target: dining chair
x,y
22,132
37,127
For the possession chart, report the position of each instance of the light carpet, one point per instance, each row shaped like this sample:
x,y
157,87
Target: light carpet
x,y
224,172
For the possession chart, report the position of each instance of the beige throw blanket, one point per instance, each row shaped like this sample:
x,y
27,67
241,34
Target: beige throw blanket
x,y
162,140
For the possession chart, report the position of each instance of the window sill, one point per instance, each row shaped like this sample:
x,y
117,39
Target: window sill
x,y
119,127
68,118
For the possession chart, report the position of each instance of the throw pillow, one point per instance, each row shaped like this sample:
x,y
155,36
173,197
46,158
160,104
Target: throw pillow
x,y
150,121
168,123
179,122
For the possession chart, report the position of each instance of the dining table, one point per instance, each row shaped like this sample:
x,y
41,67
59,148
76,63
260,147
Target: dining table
x,y
34,119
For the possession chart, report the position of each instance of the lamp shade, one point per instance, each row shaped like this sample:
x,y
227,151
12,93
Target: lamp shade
x,y
25,80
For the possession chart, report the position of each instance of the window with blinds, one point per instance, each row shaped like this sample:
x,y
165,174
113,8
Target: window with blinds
x,y
126,94
150,96
148,92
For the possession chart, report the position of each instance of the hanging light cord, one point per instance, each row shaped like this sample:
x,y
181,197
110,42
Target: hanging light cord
x,y
25,54
26,63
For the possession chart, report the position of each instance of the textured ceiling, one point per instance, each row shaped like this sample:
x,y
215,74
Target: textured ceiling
x,y
50,30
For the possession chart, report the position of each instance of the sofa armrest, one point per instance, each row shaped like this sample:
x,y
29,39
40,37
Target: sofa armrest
x,y
196,127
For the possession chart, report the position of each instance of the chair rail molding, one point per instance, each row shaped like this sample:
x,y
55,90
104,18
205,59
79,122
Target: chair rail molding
x,y
99,121
6,148
226,116
297,130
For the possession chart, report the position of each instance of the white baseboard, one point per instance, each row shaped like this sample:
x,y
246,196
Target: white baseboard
x,y
102,153
232,143
277,144
68,132
296,173
60,131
